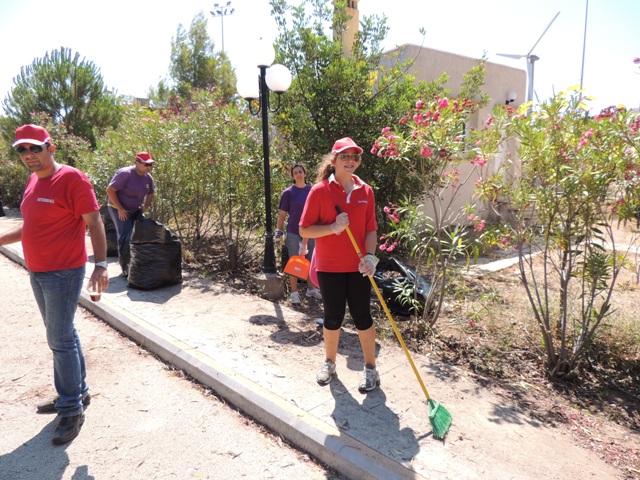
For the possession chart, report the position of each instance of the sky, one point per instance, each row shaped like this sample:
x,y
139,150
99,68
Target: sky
x,y
130,41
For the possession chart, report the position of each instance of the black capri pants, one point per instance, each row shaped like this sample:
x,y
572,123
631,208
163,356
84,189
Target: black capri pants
x,y
341,289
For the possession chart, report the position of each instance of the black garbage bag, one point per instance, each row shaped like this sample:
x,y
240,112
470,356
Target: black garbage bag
x,y
110,231
156,256
390,275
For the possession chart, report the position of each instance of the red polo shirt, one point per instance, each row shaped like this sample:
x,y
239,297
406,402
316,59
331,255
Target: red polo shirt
x,y
335,253
53,232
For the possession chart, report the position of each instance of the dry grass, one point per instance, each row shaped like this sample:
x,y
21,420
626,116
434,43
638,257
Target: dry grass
x,y
490,330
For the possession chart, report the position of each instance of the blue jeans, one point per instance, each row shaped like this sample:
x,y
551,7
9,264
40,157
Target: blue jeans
x,y
57,294
124,230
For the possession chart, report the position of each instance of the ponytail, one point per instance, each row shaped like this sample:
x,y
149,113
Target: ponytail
x,y
325,168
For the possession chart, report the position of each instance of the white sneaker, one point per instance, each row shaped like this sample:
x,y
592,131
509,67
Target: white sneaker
x,y
320,321
314,293
370,380
295,298
326,372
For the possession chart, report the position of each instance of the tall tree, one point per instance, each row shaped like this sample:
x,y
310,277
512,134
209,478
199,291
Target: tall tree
x,y
196,64
334,95
67,88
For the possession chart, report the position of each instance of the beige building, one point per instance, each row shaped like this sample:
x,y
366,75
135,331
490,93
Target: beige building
x,y
505,85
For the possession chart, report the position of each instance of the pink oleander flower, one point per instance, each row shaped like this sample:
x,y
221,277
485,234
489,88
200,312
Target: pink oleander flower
x,y
402,121
480,226
481,162
636,60
444,103
386,130
386,210
588,133
488,122
374,150
419,104
436,116
426,152
383,247
470,217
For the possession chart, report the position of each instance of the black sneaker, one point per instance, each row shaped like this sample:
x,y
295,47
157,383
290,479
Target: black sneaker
x,y
49,406
68,429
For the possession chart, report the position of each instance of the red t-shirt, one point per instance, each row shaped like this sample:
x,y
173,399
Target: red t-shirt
x,y
335,253
53,232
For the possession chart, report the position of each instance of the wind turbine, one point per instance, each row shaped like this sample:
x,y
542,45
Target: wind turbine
x,y
531,59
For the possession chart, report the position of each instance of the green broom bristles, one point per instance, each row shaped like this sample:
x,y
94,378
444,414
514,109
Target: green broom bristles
x,y
440,419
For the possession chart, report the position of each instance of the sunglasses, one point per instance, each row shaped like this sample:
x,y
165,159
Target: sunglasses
x,y
33,149
148,165
356,157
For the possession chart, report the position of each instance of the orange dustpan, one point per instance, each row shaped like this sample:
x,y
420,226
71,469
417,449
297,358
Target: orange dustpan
x,y
298,266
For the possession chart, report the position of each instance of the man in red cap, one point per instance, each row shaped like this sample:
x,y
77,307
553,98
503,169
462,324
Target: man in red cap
x,y
130,194
58,204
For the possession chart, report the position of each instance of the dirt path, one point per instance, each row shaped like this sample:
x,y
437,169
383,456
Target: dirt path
x,y
145,420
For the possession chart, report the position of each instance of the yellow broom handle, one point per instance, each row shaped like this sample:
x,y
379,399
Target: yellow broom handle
x,y
386,310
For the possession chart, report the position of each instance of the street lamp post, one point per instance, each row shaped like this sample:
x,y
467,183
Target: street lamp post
x,y
222,11
275,78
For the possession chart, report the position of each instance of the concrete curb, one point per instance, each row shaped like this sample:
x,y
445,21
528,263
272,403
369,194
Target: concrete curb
x,y
337,450
341,452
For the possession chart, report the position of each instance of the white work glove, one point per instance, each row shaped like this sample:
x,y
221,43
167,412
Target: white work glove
x,y
341,223
277,235
368,265
303,250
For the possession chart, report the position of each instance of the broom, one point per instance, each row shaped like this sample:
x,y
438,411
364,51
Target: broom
x,y
439,417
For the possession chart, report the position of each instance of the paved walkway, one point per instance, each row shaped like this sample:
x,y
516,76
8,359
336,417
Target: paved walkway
x,y
262,356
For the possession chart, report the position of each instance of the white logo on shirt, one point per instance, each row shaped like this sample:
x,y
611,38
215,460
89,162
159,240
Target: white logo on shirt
x,y
46,200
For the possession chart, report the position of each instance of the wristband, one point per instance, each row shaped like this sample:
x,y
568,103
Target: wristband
x,y
102,264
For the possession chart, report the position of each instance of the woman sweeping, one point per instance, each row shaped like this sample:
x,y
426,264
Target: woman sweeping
x,y
341,275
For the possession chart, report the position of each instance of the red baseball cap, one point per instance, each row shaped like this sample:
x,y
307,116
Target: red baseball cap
x,y
33,134
145,157
343,144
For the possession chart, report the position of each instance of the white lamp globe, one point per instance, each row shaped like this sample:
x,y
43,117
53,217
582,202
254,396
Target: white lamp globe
x,y
278,78
247,84
265,54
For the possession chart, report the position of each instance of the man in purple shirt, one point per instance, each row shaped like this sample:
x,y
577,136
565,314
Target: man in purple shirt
x,y
130,194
